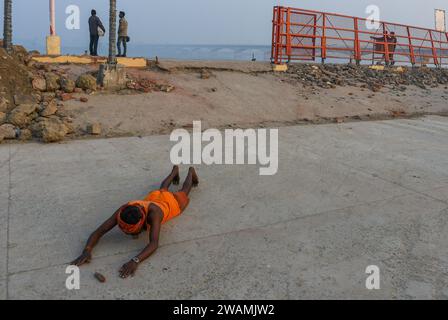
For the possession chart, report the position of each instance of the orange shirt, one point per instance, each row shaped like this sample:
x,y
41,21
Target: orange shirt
x,y
165,200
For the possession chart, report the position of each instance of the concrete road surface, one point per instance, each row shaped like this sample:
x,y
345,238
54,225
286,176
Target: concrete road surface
x,y
345,197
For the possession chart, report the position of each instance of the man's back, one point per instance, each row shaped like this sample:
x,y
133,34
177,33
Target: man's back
x,y
123,28
94,23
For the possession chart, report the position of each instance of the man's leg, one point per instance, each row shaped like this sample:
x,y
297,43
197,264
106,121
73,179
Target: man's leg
x,y
91,48
125,46
119,46
191,181
391,59
95,45
172,178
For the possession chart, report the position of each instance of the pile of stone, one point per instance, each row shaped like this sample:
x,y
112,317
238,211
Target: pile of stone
x,y
41,114
333,75
27,118
146,85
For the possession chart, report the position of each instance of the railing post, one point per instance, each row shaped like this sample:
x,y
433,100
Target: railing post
x,y
434,52
386,45
288,33
274,35
277,37
280,36
411,47
357,46
324,39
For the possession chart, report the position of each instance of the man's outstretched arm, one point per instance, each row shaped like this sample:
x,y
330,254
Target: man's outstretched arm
x,y
86,255
129,268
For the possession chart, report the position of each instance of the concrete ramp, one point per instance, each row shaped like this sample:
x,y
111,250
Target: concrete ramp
x,y
346,196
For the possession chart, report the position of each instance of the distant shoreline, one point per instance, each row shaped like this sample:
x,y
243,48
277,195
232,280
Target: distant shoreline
x,y
178,52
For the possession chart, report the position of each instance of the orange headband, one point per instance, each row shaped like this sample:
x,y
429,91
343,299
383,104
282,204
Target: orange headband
x,y
131,228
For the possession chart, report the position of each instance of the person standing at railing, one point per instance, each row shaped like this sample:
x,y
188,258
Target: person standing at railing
x,y
380,46
392,47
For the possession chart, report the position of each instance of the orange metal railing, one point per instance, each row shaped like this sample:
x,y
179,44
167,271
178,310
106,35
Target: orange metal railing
x,y
308,35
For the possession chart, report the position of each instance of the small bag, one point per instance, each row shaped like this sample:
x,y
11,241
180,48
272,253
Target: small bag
x,y
100,32
128,39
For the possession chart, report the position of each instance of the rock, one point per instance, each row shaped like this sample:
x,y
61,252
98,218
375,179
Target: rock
x,y
67,85
19,119
8,131
100,277
4,104
205,74
47,96
26,108
2,117
94,129
20,99
77,90
166,88
69,126
39,84
49,130
50,109
20,116
25,135
52,81
86,82
66,96
1,138
83,99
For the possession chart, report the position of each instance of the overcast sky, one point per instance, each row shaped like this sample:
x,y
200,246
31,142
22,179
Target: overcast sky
x,y
203,21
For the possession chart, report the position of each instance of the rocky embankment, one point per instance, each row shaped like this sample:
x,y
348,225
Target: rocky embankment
x,y
331,75
32,97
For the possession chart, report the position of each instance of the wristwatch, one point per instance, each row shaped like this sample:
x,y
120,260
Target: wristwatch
x,y
136,260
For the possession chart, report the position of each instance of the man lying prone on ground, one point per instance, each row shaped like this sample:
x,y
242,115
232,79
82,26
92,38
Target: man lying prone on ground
x,y
149,214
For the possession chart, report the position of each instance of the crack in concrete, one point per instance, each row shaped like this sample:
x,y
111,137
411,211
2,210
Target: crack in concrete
x,y
7,223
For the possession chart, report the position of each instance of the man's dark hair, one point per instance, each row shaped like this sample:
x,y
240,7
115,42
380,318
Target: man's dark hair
x,y
123,13
131,215
93,12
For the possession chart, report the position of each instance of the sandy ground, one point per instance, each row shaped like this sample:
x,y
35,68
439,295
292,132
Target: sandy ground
x,y
242,95
346,196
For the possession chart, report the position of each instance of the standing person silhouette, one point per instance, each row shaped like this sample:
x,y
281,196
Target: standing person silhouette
x,y
95,26
122,35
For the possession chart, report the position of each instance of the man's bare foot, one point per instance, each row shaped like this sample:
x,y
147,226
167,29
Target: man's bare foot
x,y
194,176
176,179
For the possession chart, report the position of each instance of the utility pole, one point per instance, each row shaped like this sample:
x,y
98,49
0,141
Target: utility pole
x,y
7,26
53,41
52,18
112,75
112,32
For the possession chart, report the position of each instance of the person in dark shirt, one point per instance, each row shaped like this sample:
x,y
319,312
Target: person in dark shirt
x,y
95,25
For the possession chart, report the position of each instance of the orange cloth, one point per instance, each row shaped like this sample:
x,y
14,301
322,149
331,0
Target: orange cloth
x,y
171,204
167,202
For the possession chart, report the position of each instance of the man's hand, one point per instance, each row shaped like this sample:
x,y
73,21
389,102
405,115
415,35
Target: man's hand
x,y
128,269
84,258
